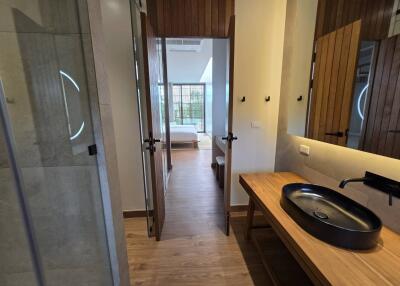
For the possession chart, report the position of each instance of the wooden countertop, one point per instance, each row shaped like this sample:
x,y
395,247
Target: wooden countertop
x,y
324,263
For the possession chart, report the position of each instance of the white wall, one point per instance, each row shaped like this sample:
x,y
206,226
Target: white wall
x,y
188,66
327,163
303,36
120,68
258,62
219,86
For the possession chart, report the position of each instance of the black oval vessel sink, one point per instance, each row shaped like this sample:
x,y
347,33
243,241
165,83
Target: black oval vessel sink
x,y
330,216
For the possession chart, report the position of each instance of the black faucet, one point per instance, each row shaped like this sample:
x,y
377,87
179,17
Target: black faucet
x,y
388,186
343,183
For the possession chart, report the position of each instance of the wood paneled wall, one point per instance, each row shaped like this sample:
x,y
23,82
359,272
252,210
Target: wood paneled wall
x,y
381,133
335,67
375,16
190,18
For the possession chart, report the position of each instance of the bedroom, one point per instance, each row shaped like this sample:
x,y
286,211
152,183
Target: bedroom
x,y
197,86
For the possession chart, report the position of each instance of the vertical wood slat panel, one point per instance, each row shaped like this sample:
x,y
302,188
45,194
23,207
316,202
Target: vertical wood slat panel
x,y
188,21
160,17
208,18
310,127
384,108
175,18
319,25
319,92
387,16
333,91
191,18
374,99
327,86
394,122
221,17
325,17
396,145
181,16
202,17
332,15
339,13
388,111
350,80
387,66
337,54
379,17
344,55
229,10
195,23
214,17
375,15
167,18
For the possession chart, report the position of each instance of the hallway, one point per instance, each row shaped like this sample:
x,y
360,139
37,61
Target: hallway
x,y
193,249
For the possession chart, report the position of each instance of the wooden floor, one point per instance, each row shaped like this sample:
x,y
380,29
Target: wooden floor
x,y
193,249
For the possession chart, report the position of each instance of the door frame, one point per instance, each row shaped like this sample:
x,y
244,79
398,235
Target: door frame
x,y
228,153
228,150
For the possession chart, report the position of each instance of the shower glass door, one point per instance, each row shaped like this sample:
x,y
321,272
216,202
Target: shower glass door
x,y
47,72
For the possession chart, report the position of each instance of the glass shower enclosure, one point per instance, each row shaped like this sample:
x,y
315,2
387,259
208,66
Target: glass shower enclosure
x,y
52,229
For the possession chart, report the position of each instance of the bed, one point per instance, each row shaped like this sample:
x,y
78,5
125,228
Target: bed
x,y
184,134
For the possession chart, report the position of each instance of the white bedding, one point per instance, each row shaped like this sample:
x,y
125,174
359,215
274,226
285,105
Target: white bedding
x,y
183,133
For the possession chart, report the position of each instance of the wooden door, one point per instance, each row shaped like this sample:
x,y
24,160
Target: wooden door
x,y
230,138
150,63
381,130
333,84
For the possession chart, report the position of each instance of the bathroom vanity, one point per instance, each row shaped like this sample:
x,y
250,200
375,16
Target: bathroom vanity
x,y
324,264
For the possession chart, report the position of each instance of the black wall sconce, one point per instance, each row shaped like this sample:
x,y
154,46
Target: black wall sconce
x,y
243,99
267,98
300,98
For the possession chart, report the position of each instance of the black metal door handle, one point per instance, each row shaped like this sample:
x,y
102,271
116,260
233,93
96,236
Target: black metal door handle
x,y
337,134
152,142
230,137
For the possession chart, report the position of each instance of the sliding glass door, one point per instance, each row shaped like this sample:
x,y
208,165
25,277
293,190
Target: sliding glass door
x,y
189,105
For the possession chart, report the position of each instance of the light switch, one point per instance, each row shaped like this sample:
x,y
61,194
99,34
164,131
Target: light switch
x,y
305,150
255,124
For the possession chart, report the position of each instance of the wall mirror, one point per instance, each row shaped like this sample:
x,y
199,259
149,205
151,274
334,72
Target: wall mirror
x,y
345,69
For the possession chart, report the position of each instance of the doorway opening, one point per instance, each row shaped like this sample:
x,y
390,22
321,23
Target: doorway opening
x,y
185,100
197,80
190,76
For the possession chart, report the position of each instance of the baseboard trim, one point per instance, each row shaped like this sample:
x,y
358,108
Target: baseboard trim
x,y
131,214
238,208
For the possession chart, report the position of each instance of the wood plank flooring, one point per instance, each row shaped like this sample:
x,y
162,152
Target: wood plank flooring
x,y
193,249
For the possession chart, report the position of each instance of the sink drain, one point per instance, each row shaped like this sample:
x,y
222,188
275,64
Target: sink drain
x,y
320,215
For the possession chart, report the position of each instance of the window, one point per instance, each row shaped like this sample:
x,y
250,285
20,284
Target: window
x,y
189,105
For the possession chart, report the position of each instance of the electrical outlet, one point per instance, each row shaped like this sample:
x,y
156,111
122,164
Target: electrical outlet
x,y
304,150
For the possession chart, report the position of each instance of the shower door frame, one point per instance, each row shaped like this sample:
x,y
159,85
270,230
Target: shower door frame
x,y
6,131
100,111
